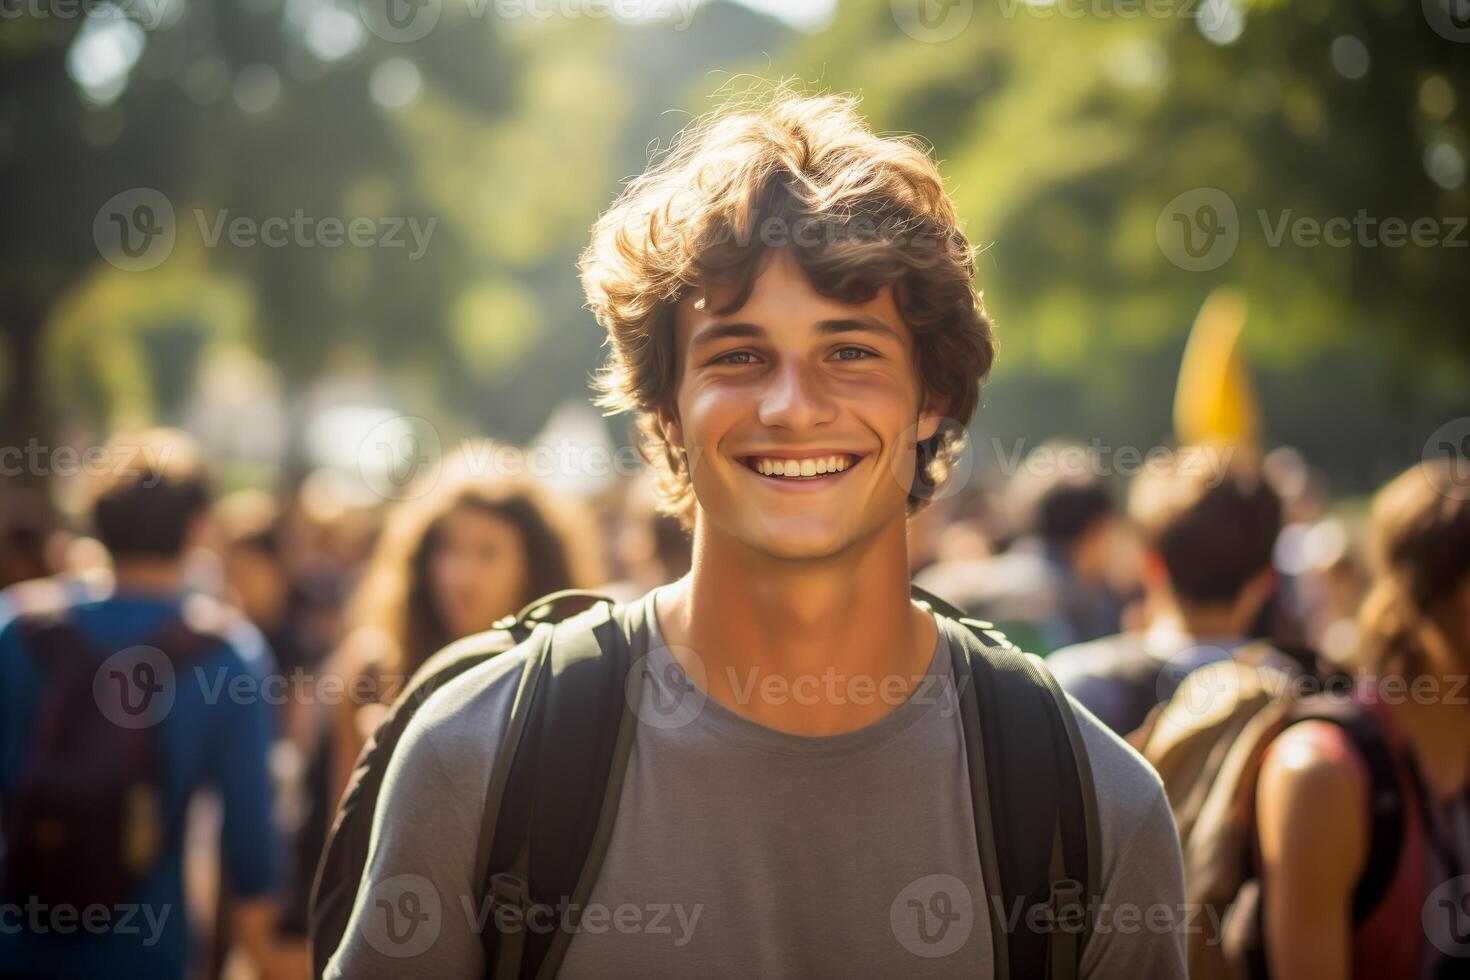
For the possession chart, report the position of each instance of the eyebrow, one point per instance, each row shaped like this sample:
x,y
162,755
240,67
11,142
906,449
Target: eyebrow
x,y
741,329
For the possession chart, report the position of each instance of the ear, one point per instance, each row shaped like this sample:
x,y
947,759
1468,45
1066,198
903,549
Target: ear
x,y
668,424
931,416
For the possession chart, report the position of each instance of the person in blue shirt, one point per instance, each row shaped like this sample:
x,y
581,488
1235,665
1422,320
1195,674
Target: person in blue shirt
x,y
216,732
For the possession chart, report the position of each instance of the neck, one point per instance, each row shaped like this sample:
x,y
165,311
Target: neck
x,y
1436,723
1195,619
790,644
149,575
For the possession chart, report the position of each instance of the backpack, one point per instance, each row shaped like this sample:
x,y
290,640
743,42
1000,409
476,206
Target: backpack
x,y
542,839
85,822
1207,743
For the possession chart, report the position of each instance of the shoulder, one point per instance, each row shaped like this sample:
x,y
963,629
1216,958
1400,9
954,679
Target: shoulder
x,y
1313,766
1312,808
238,639
460,724
1128,789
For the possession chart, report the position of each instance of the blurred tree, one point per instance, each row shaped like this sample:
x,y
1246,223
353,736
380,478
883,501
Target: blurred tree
x,y
1067,128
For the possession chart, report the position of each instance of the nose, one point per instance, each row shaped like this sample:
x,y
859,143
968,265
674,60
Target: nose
x,y
796,397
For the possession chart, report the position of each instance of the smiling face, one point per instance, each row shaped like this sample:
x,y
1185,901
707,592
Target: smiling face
x,y
799,414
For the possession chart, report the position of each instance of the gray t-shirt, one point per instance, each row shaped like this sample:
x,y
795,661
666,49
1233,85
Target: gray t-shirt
x,y
741,851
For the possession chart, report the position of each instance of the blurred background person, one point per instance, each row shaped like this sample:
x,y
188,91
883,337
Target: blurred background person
x,y
94,805
473,547
1049,587
1314,817
1208,524
649,548
260,583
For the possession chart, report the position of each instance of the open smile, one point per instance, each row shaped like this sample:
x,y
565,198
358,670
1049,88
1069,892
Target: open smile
x,y
822,467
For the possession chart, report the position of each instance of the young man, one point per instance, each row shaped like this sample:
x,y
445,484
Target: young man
x,y
792,316
94,788
1208,535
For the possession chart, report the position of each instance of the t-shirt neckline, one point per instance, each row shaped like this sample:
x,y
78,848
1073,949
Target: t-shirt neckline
x,y
934,692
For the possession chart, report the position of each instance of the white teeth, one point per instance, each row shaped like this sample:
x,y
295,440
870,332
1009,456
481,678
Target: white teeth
x,y
809,467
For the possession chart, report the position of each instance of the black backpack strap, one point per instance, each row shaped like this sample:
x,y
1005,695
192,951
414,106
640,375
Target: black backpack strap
x,y
554,790
1035,804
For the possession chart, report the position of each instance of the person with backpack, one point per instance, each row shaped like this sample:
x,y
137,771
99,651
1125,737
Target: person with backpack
x,y
779,764
1315,808
1325,813
1208,524
114,710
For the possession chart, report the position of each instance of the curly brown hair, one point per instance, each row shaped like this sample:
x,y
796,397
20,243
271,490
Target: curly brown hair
x,y
778,170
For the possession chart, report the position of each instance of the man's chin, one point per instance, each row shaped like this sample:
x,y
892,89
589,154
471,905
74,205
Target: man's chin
x,y
799,538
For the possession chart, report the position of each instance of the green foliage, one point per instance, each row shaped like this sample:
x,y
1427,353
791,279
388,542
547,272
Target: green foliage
x,y
1063,132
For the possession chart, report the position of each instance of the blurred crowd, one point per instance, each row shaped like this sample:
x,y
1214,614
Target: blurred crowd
x,y
1128,586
